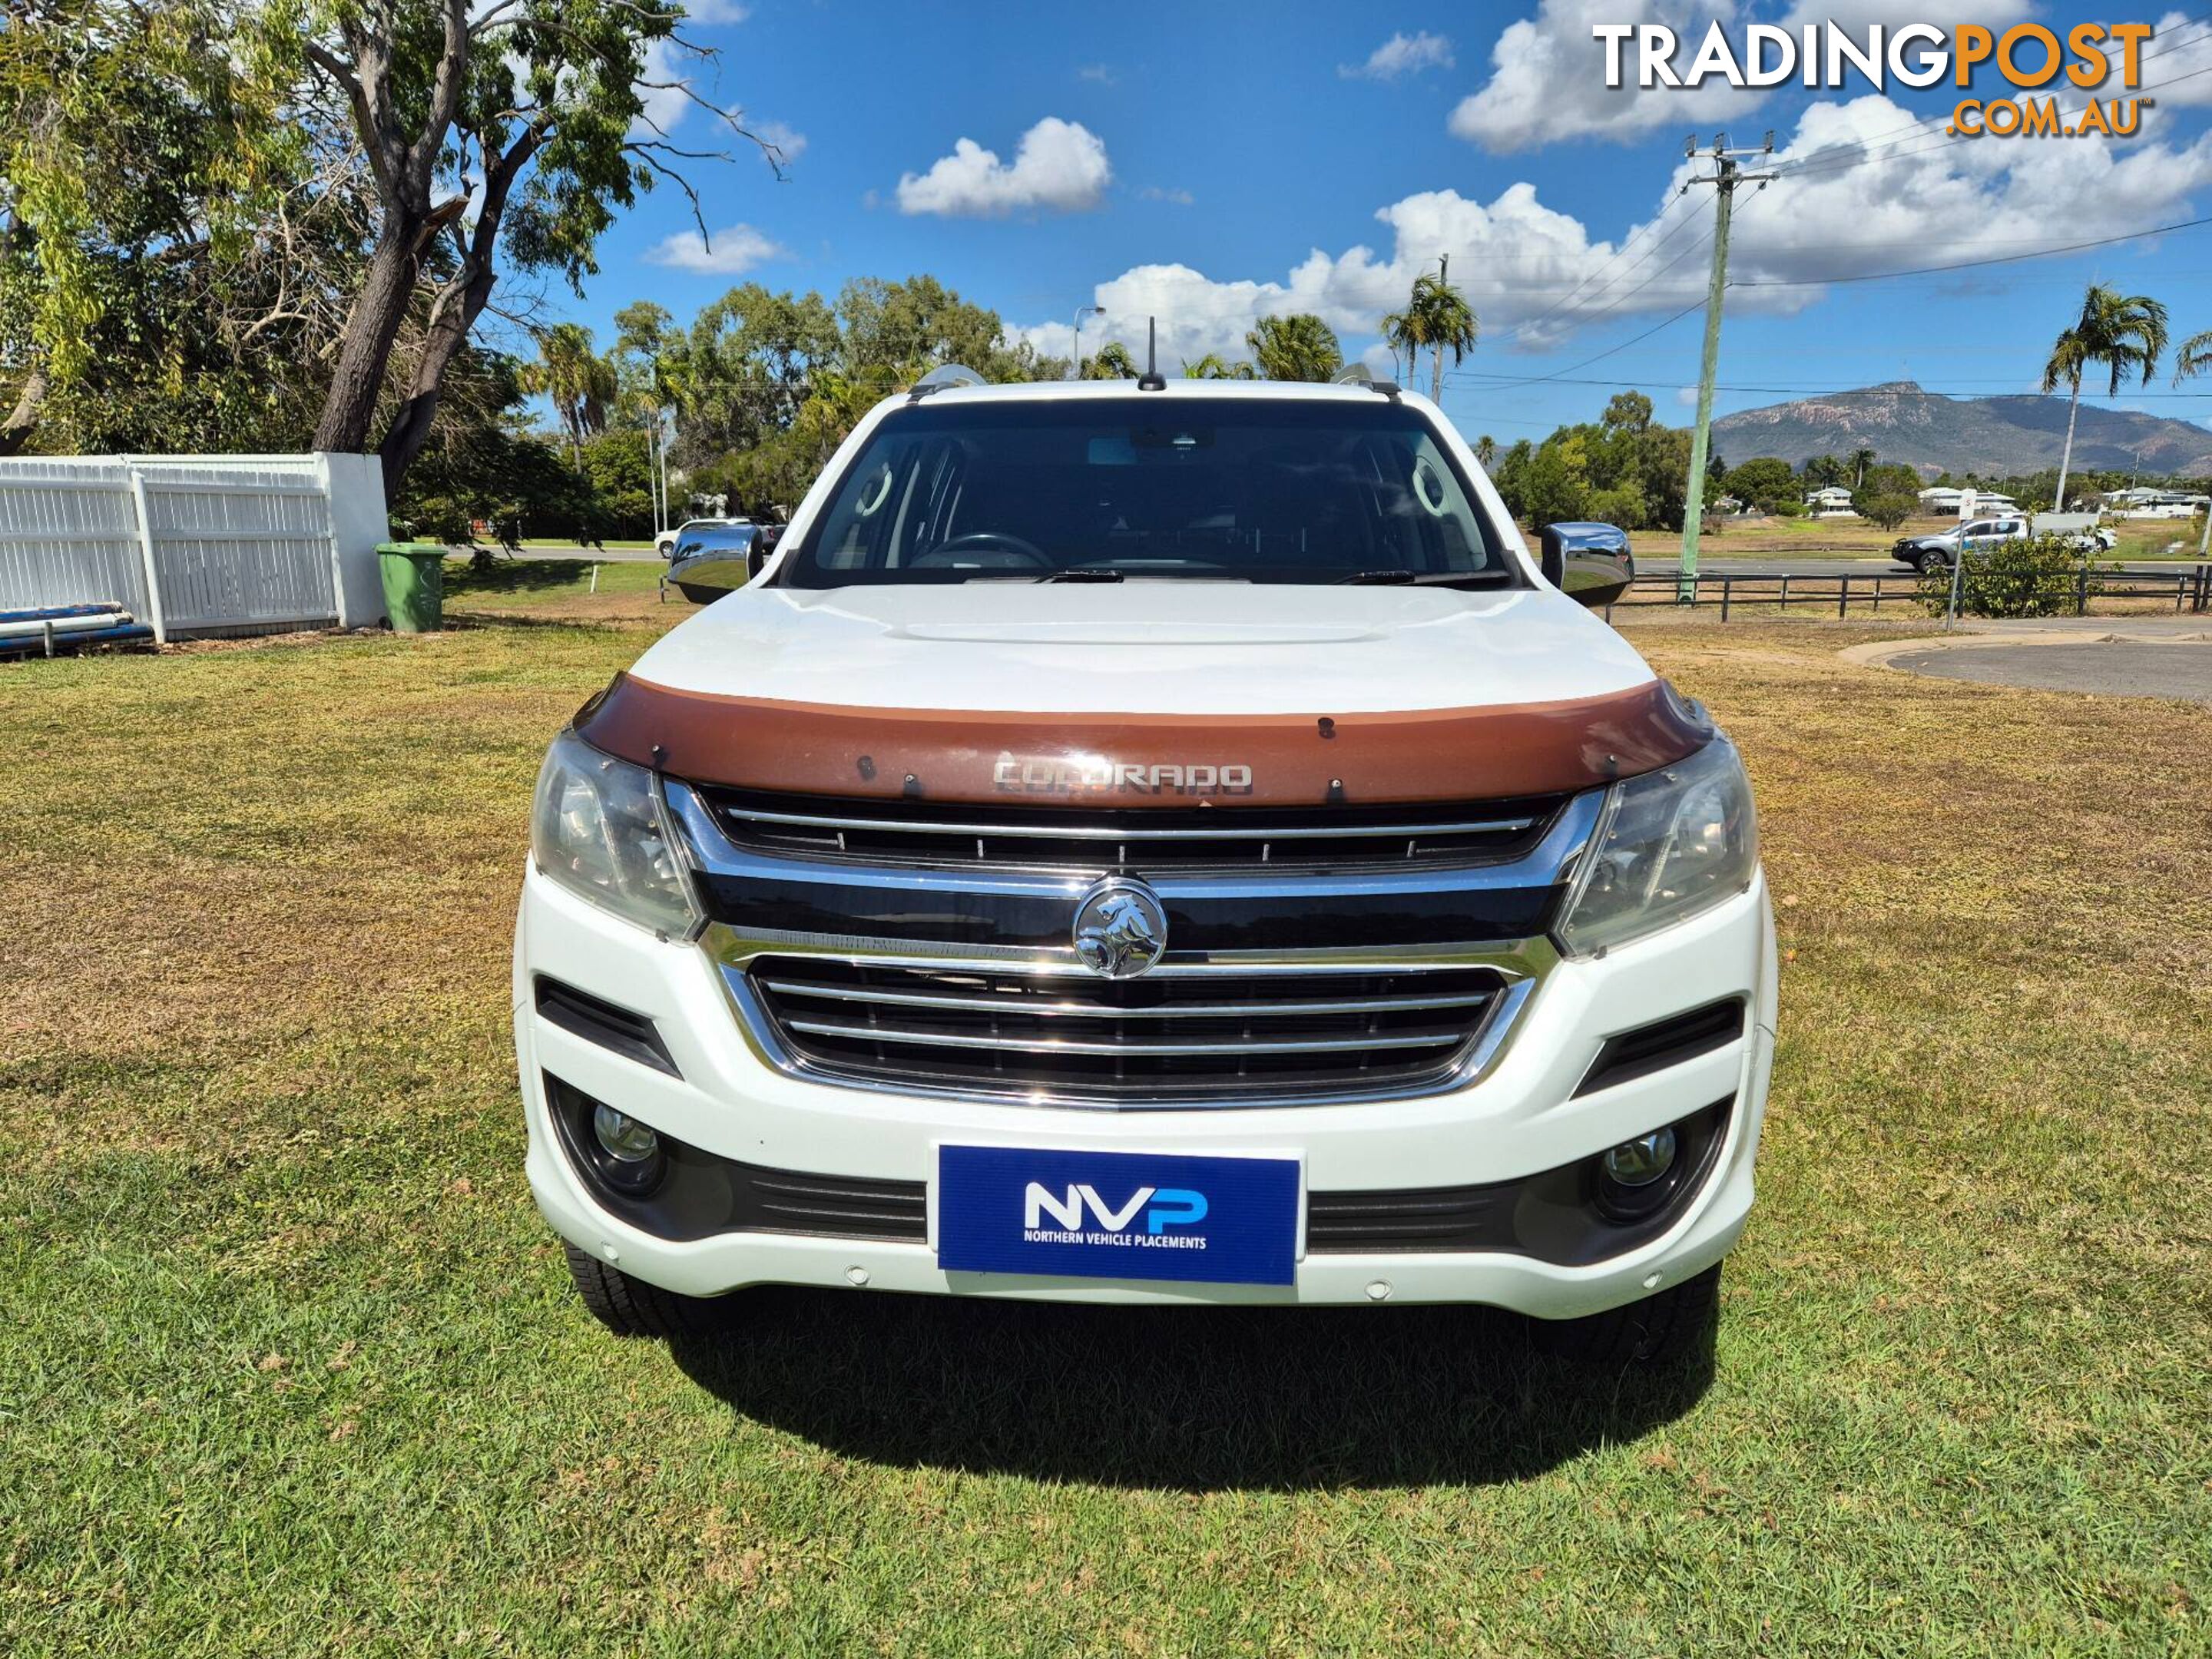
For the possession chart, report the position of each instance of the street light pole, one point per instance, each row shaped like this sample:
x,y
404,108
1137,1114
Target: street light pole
x,y
1725,178
1081,312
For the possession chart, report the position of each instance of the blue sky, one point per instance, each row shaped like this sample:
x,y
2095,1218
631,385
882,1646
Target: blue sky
x,y
1209,162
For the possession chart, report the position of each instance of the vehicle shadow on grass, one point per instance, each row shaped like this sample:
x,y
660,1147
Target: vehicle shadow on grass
x,y
1183,1399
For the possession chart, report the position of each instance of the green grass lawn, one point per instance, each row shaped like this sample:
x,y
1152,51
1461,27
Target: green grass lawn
x,y
289,1367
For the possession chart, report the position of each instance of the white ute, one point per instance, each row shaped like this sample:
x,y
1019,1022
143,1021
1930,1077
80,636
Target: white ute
x,y
1147,842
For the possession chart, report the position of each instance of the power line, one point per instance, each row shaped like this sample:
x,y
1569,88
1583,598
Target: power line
x,y
1541,380
1968,264
1480,383
1813,167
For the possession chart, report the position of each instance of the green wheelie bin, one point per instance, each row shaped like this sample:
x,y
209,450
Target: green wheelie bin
x,y
414,585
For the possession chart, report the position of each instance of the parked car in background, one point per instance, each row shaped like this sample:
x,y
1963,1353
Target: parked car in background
x,y
1133,845
665,543
1936,552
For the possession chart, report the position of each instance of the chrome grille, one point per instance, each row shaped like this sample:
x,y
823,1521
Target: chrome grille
x,y
917,833
1202,1033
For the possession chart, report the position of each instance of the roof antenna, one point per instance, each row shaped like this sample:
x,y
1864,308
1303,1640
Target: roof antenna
x,y
1151,379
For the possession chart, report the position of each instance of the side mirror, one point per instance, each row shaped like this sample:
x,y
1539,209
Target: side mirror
x,y
1591,563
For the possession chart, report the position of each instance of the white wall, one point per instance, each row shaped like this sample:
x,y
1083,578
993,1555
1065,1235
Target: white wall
x,y
196,544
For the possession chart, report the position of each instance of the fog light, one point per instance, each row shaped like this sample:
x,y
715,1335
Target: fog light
x,y
1633,1163
624,1137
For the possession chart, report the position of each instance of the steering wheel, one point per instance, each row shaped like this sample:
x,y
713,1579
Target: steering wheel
x,y
978,540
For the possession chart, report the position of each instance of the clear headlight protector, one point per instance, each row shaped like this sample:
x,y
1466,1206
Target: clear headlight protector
x,y
1671,843
597,829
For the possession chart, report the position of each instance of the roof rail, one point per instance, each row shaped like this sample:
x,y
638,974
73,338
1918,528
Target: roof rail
x,y
943,377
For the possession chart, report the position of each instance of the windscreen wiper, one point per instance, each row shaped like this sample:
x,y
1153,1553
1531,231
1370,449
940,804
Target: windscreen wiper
x,y
1423,578
1085,573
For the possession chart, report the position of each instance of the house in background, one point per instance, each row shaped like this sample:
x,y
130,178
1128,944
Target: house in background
x,y
1832,502
2144,502
1946,499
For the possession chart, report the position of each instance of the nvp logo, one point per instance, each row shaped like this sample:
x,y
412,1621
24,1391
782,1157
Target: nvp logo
x,y
1162,1207
1117,1215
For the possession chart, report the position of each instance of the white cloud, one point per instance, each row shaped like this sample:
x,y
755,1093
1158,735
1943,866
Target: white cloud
x,y
1547,72
715,11
728,253
1834,220
1533,274
1101,73
1401,54
1174,198
783,134
668,101
2162,62
1061,165
1687,396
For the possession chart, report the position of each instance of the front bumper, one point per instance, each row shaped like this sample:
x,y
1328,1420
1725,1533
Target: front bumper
x,y
1520,1117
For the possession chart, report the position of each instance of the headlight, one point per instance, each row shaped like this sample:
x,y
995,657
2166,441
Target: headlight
x,y
1671,843
597,829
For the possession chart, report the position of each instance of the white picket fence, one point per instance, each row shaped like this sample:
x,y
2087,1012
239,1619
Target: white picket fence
x,y
196,544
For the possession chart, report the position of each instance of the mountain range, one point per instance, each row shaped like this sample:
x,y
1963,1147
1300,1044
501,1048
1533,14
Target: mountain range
x,y
1989,437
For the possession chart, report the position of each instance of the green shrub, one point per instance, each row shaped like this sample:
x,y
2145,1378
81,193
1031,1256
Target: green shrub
x,y
2038,576
1789,509
1887,510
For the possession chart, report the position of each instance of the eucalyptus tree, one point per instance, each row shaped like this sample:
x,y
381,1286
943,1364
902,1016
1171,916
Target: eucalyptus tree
x,y
1297,347
2122,333
495,132
168,260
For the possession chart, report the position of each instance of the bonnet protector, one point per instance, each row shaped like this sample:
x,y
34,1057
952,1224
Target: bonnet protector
x,y
1140,761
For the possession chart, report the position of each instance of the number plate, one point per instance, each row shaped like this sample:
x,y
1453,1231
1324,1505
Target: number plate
x,y
1117,1215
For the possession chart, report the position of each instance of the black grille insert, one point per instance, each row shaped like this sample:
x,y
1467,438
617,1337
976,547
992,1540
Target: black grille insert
x,y
700,1195
633,1036
1554,1215
1664,1043
910,834
1208,1034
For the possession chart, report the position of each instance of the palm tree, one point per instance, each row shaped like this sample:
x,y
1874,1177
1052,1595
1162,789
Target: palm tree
x,y
1485,450
1211,368
1299,347
1111,362
579,382
1861,460
1821,470
2124,332
1436,316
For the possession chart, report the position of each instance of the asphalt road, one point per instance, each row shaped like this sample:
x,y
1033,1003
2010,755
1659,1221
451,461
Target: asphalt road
x,y
2120,669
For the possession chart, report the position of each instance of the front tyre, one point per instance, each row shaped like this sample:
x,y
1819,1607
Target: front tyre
x,y
630,1307
1660,1331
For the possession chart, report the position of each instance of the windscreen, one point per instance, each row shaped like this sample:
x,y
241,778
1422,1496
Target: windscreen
x,y
1217,489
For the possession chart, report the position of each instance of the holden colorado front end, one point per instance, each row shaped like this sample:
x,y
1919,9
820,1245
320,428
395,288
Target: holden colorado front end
x,y
1149,844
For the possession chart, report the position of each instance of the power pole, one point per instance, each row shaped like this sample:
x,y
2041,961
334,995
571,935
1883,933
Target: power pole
x,y
1725,178
1436,374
